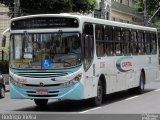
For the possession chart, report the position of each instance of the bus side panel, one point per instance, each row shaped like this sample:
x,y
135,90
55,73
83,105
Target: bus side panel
x,y
90,82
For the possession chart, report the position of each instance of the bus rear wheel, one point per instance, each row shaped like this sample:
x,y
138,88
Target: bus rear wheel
x,y
140,88
41,102
96,101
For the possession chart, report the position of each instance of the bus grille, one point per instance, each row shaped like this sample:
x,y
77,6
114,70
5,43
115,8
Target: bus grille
x,y
41,74
46,85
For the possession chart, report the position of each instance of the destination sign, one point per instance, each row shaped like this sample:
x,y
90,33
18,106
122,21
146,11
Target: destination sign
x,y
44,22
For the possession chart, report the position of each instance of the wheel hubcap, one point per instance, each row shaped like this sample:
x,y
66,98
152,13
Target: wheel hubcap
x,y
142,84
142,87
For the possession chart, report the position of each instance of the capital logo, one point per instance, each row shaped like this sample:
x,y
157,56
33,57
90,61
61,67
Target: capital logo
x,y
124,64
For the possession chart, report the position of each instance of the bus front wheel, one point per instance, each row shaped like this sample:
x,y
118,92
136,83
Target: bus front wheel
x,y
96,101
41,102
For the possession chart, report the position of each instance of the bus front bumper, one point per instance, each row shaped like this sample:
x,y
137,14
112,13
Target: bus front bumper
x,y
75,92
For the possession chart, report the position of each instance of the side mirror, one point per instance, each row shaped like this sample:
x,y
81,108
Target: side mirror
x,y
3,41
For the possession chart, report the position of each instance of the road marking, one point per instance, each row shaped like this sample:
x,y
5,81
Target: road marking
x,y
157,90
132,97
90,109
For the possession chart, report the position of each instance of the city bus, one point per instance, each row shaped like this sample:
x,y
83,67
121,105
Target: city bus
x,y
75,57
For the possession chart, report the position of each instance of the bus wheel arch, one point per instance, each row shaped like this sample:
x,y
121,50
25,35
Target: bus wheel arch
x,y
101,91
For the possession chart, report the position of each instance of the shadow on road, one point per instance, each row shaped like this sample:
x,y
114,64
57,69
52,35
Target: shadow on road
x,y
69,106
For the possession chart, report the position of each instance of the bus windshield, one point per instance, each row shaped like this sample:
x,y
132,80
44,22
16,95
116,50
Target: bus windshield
x,y
45,51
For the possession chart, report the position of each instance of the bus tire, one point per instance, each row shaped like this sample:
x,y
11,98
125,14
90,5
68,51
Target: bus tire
x,y
41,102
140,88
2,92
96,101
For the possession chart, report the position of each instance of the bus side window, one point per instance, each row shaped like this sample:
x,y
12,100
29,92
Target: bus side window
x,y
154,43
141,47
134,43
125,41
99,35
117,41
88,40
148,43
109,43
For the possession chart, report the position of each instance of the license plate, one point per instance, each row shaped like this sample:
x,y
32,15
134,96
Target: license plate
x,y
42,92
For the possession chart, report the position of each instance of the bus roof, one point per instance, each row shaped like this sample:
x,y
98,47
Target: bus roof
x,y
91,20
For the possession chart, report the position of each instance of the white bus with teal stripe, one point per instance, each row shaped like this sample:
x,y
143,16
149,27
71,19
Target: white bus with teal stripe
x,y
74,57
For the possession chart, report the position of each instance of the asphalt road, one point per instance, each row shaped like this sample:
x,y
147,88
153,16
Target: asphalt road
x,y
120,103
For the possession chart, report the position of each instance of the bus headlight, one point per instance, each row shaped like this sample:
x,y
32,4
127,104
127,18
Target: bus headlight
x,y
73,81
18,82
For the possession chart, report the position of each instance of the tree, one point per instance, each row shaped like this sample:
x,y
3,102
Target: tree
x,y
8,3
153,11
152,5
52,6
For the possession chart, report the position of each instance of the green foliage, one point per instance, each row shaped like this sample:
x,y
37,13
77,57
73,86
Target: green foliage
x,y
53,6
138,5
157,25
7,2
152,6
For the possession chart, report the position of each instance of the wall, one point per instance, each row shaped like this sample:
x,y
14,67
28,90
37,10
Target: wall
x,y
123,11
4,24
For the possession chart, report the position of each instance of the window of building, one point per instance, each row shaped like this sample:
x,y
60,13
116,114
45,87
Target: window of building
x,y
121,20
97,14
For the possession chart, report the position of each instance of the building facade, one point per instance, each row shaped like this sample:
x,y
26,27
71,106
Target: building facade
x,y
4,24
124,11
118,10
103,9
